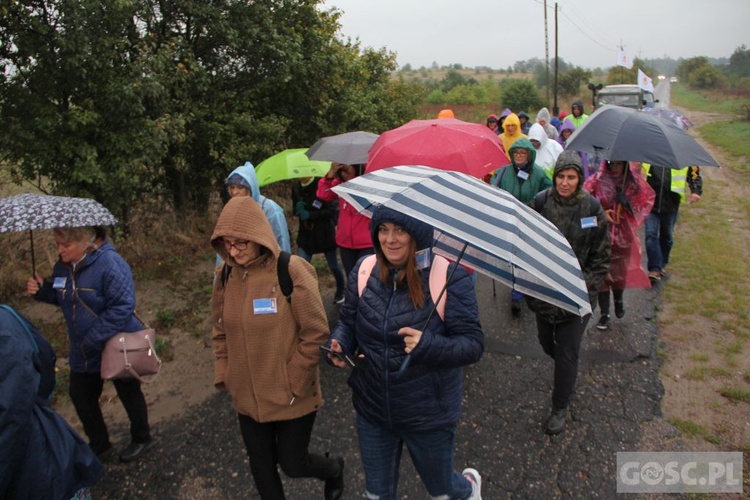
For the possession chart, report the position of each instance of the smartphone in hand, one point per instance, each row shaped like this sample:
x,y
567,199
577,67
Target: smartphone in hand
x,y
341,355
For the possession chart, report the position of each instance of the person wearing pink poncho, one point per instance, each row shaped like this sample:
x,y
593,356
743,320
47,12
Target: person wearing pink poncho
x,y
627,200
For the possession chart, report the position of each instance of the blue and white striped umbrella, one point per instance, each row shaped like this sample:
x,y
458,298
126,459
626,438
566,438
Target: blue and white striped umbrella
x,y
503,238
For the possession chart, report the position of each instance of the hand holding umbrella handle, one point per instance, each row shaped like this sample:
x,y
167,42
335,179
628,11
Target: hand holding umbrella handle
x,y
405,364
34,284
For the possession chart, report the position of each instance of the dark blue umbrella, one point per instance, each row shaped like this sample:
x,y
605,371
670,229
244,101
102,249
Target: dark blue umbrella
x,y
625,134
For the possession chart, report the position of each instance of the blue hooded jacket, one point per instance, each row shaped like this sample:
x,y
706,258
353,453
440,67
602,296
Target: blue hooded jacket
x,y
274,212
40,455
428,395
98,302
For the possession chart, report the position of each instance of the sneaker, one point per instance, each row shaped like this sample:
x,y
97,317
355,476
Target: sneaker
x,y
603,323
339,297
476,483
556,422
619,308
135,450
654,276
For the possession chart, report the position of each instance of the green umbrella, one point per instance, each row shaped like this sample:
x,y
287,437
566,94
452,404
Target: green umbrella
x,y
290,164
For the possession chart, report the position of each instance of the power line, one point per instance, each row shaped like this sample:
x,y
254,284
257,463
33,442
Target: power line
x,y
587,35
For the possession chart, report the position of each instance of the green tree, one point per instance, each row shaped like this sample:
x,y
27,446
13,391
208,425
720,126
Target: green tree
x,y
739,62
689,65
619,75
520,94
570,82
706,77
139,99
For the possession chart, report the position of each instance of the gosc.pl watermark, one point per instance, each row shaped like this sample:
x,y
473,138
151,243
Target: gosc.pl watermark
x,y
679,472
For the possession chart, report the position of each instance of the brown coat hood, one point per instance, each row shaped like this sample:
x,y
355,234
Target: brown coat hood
x,y
243,218
267,358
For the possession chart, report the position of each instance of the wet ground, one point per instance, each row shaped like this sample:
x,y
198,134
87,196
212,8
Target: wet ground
x,y
506,401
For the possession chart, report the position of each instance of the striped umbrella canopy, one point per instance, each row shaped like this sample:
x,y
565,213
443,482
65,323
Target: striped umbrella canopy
x,y
484,227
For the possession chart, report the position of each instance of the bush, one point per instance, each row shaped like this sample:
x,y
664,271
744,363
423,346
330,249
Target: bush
x,y
520,94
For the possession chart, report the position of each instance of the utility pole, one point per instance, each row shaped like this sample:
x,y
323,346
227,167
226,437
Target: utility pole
x,y
555,109
546,49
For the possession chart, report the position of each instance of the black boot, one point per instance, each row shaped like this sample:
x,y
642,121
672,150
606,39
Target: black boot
x,y
334,488
619,304
603,323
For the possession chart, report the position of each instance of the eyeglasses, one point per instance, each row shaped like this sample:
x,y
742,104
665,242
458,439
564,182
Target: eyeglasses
x,y
520,152
238,245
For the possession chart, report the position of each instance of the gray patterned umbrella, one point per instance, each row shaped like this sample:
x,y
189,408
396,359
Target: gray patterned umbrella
x,y
26,212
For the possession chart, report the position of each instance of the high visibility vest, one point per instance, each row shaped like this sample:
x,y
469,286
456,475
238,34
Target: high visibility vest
x,y
679,179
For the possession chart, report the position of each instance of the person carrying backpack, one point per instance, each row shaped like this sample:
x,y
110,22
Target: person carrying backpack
x,y
378,329
580,218
267,348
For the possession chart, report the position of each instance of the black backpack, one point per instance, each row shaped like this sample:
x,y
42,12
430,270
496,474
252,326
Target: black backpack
x,y
282,269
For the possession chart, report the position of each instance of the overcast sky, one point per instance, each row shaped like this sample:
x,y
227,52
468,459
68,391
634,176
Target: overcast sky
x,y
497,33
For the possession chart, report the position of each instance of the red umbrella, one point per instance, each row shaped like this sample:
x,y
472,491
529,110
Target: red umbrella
x,y
446,144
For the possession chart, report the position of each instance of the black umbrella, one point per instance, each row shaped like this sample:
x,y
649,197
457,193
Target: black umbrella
x,y
350,148
625,134
27,212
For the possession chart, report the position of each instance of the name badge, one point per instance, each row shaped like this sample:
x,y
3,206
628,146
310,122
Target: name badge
x,y
523,175
424,258
264,306
59,283
588,222
317,204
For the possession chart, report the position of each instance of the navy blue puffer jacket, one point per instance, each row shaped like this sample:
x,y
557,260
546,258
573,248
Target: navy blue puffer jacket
x,y
428,395
97,300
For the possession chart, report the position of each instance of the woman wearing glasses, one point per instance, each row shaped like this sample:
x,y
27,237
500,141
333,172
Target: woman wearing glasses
x,y
267,350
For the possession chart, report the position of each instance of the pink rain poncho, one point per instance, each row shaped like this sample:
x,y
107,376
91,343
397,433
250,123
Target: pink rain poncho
x,y
630,198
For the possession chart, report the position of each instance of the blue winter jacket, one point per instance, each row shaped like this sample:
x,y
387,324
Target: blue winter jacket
x,y
428,395
41,456
97,300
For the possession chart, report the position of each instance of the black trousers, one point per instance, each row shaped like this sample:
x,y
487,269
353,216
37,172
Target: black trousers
x,y
284,443
562,342
85,391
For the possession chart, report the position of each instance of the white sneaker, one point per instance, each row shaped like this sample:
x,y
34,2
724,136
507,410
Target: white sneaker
x,y
476,483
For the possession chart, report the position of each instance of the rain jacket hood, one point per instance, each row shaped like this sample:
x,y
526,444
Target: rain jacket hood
x,y
243,219
420,231
578,103
247,172
543,115
524,143
567,160
537,133
509,140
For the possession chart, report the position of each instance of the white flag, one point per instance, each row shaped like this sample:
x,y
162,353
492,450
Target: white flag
x,y
623,59
644,81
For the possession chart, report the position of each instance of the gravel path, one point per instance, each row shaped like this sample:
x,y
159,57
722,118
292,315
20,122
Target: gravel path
x,y
506,400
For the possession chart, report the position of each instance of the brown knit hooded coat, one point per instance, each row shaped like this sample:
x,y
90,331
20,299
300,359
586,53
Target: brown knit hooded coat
x,y
269,363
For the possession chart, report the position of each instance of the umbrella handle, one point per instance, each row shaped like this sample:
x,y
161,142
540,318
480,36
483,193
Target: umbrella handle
x,y
33,260
407,361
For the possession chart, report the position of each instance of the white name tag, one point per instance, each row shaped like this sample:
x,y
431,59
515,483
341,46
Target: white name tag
x,y
264,306
317,204
523,175
588,222
59,283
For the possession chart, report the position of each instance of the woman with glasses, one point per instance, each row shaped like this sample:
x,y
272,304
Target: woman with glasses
x,y
267,350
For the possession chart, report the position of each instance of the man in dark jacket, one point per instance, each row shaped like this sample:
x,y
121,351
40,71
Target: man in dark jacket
x,y
669,186
580,218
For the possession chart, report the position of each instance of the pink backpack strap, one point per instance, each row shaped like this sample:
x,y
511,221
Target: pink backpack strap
x,y
365,269
438,278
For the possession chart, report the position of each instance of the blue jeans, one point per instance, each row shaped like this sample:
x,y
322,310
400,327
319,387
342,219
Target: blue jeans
x,y
659,239
333,265
431,452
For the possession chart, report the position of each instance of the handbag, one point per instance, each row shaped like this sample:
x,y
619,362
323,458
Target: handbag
x,y
131,355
